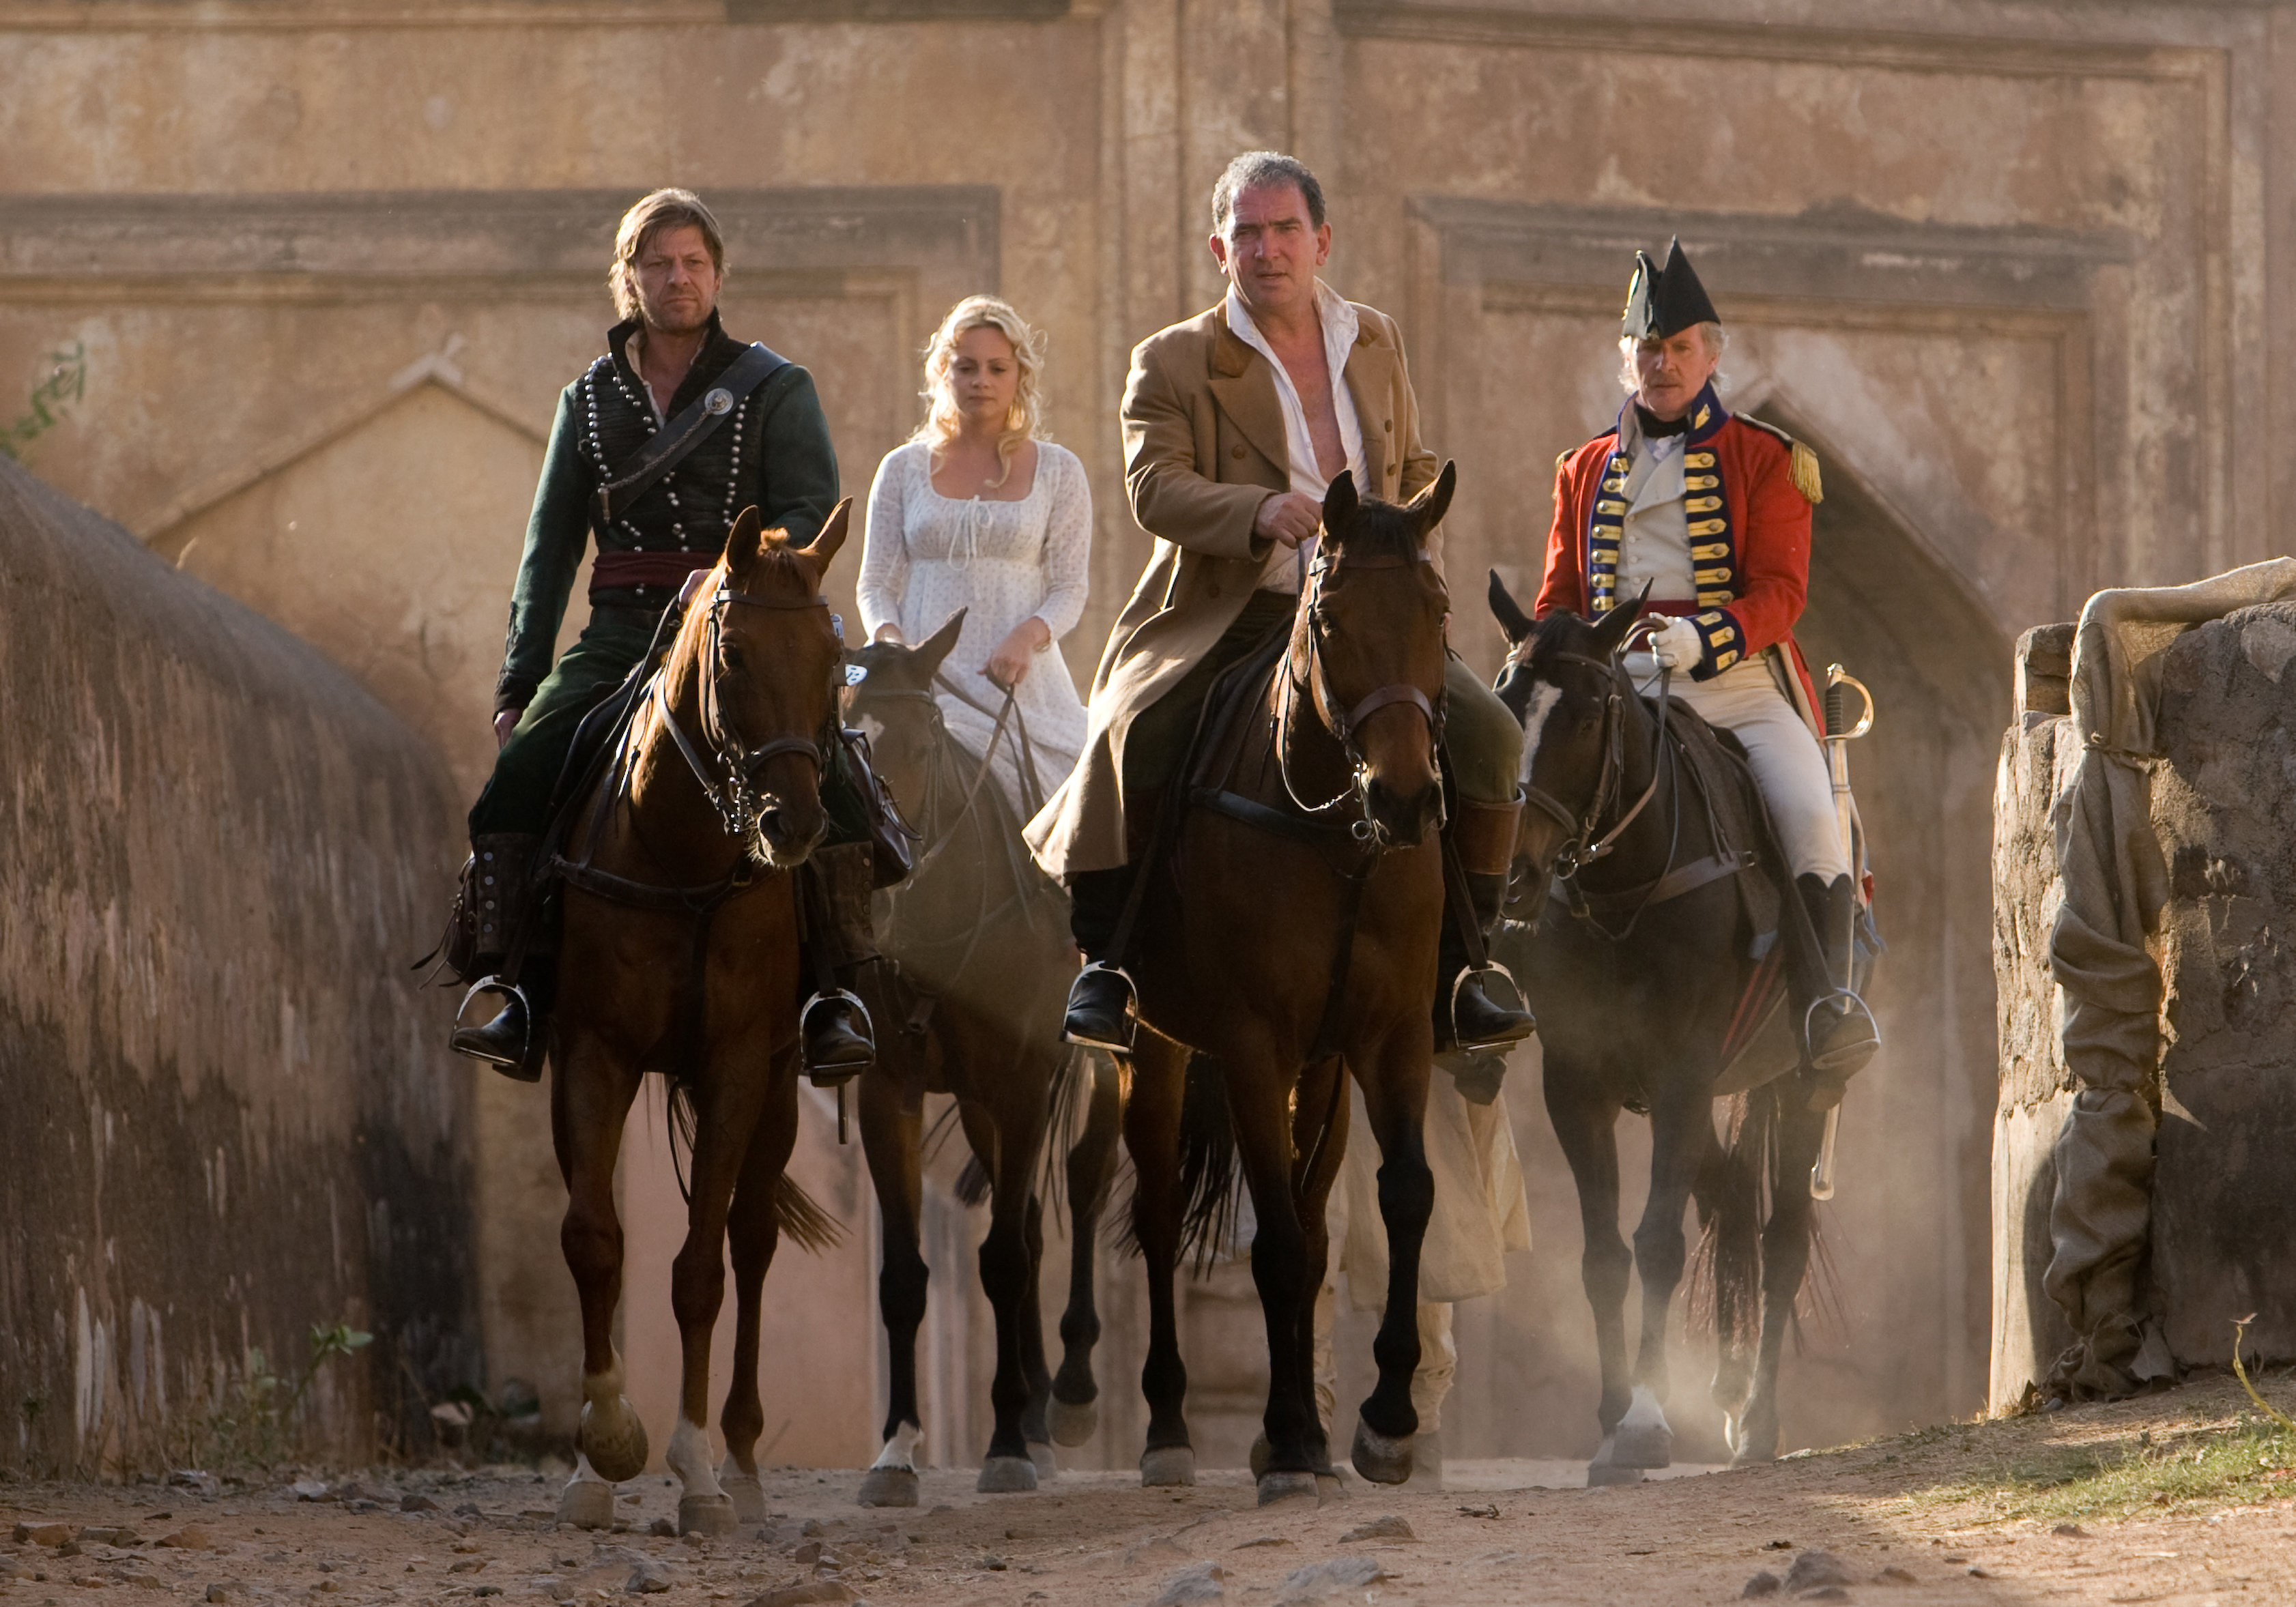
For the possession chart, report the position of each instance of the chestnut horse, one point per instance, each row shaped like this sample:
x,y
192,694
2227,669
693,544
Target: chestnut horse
x,y
1635,1003
967,1001
679,955
1288,934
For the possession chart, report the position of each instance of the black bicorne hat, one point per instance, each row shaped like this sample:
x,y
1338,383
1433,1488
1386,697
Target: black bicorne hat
x,y
1664,301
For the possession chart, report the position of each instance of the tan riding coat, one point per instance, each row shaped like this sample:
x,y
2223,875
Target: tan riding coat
x,y
1204,447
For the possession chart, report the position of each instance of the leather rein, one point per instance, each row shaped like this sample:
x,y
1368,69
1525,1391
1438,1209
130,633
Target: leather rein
x,y
1313,681
1583,845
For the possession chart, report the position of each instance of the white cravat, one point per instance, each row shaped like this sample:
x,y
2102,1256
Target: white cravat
x,y
1340,328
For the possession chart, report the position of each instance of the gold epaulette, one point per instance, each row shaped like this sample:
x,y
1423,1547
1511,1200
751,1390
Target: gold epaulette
x,y
1806,478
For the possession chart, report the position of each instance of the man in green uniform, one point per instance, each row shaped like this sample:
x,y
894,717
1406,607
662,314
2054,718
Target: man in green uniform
x,y
762,441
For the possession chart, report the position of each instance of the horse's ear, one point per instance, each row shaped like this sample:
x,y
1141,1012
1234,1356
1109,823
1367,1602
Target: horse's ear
x,y
935,647
744,541
1611,633
1512,619
824,546
1339,502
1435,501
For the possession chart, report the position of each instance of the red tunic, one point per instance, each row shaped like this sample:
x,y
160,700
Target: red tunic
x,y
1748,533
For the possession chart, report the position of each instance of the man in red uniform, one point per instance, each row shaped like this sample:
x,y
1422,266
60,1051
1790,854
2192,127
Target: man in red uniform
x,y
1712,510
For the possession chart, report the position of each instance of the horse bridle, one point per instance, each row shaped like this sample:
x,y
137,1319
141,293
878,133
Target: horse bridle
x,y
741,805
1581,847
1315,684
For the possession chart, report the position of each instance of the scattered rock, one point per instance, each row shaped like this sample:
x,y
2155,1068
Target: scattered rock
x,y
1155,1548
108,1537
310,1489
1391,1528
72,1548
1979,1573
1197,1582
1894,1575
666,1528
1762,1584
805,1594
191,1536
416,1502
1262,1540
1814,1569
1825,1593
43,1534
1489,1509
468,1509
223,1593
994,1563
650,1579
1779,1545
468,1565
2071,1531
1318,1581
487,1590
196,1480
805,1553
812,1526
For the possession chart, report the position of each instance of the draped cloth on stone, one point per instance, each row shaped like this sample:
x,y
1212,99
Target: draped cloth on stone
x,y
2115,885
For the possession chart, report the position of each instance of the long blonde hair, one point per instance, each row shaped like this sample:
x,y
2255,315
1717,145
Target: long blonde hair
x,y
1025,421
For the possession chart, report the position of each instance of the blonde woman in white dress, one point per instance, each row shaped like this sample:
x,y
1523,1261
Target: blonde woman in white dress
x,y
978,511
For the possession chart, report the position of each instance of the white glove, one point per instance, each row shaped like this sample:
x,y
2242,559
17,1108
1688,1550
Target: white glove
x,y
1678,645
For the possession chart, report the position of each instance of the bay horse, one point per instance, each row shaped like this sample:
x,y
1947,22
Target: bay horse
x,y
967,1001
1636,997
1288,936
679,955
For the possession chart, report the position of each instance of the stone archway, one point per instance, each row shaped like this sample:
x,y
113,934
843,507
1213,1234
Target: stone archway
x,y
1911,1245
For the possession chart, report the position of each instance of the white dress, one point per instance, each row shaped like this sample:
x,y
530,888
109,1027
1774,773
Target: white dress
x,y
926,555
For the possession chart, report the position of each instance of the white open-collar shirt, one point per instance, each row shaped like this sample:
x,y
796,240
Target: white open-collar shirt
x,y
1340,327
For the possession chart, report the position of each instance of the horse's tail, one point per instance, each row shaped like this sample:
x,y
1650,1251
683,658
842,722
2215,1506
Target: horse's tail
x,y
800,1218
1211,1175
1737,1185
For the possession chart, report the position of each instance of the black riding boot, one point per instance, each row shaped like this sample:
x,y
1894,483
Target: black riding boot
x,y
1099,1010
837,882
1482,1021
1841,1032
836,1046
499,889
515,1041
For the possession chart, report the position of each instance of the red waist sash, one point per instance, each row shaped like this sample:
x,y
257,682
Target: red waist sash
x,y
615,571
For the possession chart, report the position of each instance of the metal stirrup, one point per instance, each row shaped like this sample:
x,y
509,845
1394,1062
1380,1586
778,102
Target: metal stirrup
x,y
508,990
1850,1004
835,996
1131,1008
1459,984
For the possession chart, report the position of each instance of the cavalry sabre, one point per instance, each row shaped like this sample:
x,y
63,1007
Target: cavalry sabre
x,y
1838,734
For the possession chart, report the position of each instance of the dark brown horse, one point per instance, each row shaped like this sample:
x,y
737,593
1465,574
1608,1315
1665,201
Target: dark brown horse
x,y
1290,936
680,955
967,1001
1635,992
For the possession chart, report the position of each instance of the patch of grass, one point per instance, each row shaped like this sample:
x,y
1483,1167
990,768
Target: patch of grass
x,y
2216,1465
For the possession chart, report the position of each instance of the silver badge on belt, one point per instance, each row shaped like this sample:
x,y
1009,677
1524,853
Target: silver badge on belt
x,y
719,400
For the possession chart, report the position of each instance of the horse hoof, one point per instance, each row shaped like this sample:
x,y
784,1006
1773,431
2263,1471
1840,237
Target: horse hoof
x,y
1047,1464
1426,1462
1643,1439
1262,1454
1746,1455
618,1452
1006,1475
705,1515
747,1492
1284,1486
1073,1425
888,1487
1167,1465
1380,1459
1330,1488
587,1503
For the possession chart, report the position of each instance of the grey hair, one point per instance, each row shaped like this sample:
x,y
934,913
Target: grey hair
x,y
1260,169
1717,341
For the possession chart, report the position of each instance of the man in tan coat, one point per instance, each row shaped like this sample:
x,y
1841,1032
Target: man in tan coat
x,y
1234,422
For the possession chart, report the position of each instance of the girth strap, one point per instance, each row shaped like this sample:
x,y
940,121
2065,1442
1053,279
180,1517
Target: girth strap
x,y
1677,882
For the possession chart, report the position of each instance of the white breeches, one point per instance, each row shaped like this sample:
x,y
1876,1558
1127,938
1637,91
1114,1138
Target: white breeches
x,y
1746,701
1439,1360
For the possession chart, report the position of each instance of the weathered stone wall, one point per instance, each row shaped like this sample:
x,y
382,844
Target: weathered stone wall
x,y
228,1120
2223,809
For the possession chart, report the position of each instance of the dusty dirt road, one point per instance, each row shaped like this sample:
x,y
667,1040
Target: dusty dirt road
x,y
1989,1513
